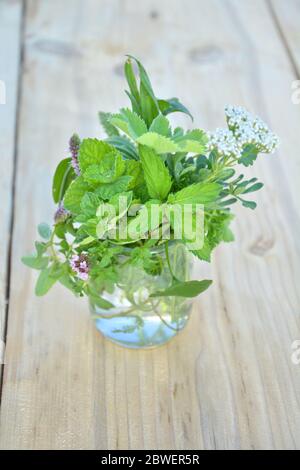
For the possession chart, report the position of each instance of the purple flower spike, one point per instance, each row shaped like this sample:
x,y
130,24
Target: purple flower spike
x,y
61,214
80,265
74,145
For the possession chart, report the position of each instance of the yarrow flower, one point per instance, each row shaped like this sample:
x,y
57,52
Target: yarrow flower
x,y
74,145
61,214
249,129
225,143
80,265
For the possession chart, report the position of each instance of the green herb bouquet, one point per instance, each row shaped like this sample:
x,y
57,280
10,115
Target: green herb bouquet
x,y
104,242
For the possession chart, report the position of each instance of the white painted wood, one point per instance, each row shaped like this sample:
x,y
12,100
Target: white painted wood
x,y
10,27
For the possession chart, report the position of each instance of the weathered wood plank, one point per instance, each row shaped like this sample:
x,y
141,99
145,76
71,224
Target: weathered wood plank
x,y
10,28
287,17
227,381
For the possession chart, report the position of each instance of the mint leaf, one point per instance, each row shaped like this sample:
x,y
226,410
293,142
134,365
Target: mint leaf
x,y
44,230
74,194
35,262
106,191
183,289
107,170
92,151
47,279
134,169
197,193
157,176
157,142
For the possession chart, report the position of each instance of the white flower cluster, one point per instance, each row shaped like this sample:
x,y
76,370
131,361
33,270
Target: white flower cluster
x,y
250,129
225,143
244,129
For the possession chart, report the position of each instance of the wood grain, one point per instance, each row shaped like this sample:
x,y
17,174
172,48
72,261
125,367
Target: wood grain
x,y
287,16
227,381
10,46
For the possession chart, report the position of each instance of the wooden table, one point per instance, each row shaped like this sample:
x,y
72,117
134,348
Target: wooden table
x,y
228,381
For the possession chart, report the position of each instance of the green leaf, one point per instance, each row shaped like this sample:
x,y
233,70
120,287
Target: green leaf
x,y
131,80
173,105
157,176
129,122
193,141
89,204
74,194
92,151
157,142
35,262
106,191
107,170
100,302
249,155
198,193
184,289
63,176
44,231
134,169
204,253
105,121
46,279
148,101
254,187
125,146
161,126
249,204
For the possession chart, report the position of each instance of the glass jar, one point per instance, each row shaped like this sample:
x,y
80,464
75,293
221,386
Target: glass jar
x,y
138,320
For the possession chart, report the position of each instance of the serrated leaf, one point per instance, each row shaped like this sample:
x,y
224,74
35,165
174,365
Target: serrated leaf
x,y
157,142
184,289
106,191
44,230
129,122
104,119
107,170
92,151
134,169
89,204
157,176
197,193
74,194
136,125
193,141
161,126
